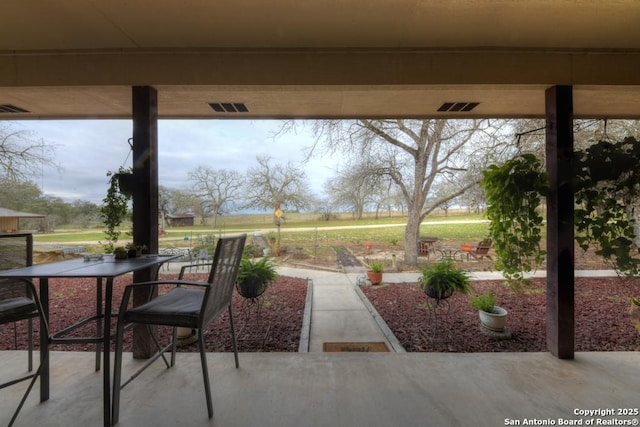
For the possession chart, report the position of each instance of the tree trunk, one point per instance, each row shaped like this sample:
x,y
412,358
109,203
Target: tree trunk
x,y
411,235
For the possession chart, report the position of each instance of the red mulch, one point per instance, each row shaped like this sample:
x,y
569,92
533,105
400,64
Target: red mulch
x,y
602,317
282,309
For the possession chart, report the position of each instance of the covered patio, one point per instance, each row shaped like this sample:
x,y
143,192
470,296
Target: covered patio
x,y
557,60
342,390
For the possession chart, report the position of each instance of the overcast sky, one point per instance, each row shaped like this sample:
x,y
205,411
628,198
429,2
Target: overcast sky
x,y
87,149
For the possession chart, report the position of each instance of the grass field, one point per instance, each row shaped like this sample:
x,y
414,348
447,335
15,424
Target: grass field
x,y
303,238
298,228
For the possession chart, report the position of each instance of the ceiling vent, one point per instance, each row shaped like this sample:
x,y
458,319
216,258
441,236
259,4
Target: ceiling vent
x,y
228,107
8,108
458,107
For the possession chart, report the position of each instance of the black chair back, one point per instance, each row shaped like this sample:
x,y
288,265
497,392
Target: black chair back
x,y
222,277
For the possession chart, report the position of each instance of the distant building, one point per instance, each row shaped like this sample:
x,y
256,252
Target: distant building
x,y
10,220
180,220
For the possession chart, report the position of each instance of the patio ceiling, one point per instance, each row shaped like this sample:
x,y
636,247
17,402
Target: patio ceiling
x,y
332,58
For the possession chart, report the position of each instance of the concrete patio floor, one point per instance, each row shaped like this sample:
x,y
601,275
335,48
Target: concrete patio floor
x,y
313,388
339,389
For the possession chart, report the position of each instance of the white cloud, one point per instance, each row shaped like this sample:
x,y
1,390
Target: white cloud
x,y
87,149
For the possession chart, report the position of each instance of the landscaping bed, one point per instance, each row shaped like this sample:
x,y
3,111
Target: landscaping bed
x,y
602,317
282,309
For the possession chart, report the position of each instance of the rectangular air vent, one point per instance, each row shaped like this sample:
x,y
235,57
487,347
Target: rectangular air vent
x,y
458,106
228,107
8,108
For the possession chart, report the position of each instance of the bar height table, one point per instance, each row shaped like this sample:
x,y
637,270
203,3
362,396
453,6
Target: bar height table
x,y
79,268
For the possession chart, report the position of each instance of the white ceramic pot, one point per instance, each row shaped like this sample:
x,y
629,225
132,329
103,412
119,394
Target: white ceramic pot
x,y
495,321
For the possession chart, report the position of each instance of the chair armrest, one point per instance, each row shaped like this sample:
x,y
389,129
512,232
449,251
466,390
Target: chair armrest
x,y
190,266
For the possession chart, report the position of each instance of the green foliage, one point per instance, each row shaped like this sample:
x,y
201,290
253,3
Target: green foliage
x,y
114,209
484,302
444,277
261,271
377,266
607,188
606,184
513,193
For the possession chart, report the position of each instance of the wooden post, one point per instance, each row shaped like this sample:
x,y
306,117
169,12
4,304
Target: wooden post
x,y
560,223
145,197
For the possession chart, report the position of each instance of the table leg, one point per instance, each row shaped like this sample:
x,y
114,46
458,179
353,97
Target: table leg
x,y
99,319
106,375
44,340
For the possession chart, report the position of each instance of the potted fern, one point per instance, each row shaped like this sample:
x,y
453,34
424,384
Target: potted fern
x,y
254,277
491,316
442,279
375,274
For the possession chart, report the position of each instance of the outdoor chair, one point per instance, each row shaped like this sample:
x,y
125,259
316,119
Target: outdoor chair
x,y
16,250
19,301
426,246
478,252
189,304
203,258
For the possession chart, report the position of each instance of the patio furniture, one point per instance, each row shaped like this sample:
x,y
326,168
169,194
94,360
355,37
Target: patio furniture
x,y
479,252
19,301
426,245
203,258
16,250
448,253
189,305
180,255
104,271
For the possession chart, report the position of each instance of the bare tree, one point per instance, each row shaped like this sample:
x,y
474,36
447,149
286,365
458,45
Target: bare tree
x,y
354,187
416,155
217,190
269,182
22,156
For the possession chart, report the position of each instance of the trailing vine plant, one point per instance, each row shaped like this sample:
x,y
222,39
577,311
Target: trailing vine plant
x,y
514,191
607,189
114,208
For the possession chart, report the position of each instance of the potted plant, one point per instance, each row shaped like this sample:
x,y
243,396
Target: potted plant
x,y
606,182
254,277
440,280
134,250
114,208
491,316
121,252
375,274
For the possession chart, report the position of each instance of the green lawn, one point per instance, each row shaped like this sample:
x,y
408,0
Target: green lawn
x,y
389,230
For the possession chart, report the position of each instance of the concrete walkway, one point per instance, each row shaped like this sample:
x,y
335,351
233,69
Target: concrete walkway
x,y
337,311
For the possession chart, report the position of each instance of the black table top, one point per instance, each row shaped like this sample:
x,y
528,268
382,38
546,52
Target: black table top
x,y
78,267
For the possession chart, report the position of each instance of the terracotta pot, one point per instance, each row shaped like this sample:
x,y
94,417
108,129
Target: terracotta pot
x,y
374,278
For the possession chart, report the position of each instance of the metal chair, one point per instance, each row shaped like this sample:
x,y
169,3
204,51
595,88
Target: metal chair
x,y
16,250
190,305
19,301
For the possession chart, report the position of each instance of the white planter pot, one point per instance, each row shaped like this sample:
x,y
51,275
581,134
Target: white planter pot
x,y
495,321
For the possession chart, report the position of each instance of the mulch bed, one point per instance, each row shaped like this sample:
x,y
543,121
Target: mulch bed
x,y
282,309
602,317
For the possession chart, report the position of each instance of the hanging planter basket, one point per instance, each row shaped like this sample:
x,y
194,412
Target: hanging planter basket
x,y
251,289
126,183
439,295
